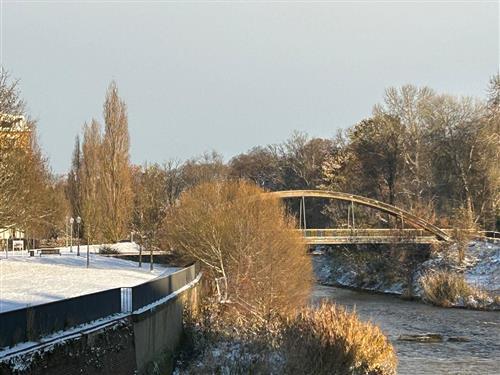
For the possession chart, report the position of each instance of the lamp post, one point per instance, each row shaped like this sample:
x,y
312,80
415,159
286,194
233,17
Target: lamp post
x,y
88,251
78,221
88,244
71,221
66,230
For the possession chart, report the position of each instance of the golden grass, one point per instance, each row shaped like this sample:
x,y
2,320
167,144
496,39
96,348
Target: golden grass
x,y
444,288
330,340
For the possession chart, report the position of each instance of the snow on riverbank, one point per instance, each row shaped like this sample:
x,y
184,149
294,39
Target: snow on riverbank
x,y
481,269
484,272
26,281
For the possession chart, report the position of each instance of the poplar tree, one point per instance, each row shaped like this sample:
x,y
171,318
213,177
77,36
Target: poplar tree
x,y
91,187
116,195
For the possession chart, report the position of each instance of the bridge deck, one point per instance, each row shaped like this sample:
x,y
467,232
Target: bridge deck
x,y
366,236
364,240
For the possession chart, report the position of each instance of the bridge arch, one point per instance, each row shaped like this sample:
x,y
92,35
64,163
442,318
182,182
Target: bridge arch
x,y
369,202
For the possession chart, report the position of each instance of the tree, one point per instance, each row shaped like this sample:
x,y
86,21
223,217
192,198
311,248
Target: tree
x,y
262,165
91,183
410,105
303,158
491,154
27,188
251,255
208,167
377,145
74,180
116,179
150,205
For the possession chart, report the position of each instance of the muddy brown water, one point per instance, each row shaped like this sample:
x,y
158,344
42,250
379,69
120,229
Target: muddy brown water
x,y
479,355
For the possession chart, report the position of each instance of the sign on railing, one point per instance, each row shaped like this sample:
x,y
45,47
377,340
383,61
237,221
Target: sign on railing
x,y
126,300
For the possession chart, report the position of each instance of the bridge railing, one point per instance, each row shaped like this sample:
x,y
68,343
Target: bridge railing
x,y
352,232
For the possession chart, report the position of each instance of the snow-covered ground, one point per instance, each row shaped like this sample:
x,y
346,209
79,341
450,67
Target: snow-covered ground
x,y
26,280
484,268
124,247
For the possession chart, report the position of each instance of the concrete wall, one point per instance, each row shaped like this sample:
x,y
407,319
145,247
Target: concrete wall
x,y
142,343
158,332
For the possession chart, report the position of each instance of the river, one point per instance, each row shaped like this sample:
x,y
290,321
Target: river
x,y
479,355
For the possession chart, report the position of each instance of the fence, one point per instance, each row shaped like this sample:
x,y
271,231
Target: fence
x,y
152,291
32,323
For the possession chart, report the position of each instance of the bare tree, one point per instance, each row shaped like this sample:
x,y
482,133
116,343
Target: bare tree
x,y
74,180
27,188
410,105
150,205
261,165
377,144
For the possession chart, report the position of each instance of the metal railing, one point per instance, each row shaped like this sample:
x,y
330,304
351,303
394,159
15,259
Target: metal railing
x,y
147,293
363,232
34,322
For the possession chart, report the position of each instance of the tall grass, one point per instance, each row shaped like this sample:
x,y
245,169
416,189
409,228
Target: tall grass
x,y
330,340
314,340
446,288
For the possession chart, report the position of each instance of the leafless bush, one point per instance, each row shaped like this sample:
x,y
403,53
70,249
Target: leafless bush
x,y
255,262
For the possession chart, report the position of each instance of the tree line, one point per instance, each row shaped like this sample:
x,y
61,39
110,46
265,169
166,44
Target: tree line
x,y
433,154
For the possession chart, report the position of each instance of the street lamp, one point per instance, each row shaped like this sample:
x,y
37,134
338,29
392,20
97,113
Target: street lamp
x,y
66,230
88,243
71,221
78,221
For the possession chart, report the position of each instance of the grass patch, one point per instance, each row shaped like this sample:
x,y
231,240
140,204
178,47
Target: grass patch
x,y
330,340
447,288
324,339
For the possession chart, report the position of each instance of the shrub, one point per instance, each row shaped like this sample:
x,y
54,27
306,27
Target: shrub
x,y
105,249
444,288
218,342
330,340
253,258
315,340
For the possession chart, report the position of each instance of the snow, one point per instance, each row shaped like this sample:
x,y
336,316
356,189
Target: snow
x,y
125,247
15,352
27,281
484,271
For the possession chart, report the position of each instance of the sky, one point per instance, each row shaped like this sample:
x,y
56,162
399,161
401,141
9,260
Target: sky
x,y
227,76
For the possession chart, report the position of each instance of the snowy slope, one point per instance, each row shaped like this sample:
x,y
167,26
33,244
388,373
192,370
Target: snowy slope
x,y
484,271
28,280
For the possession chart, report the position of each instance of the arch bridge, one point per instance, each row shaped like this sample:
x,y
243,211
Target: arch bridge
x,y
423,232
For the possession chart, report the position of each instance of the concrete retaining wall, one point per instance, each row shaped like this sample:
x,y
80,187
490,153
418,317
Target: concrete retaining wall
x,y
142,343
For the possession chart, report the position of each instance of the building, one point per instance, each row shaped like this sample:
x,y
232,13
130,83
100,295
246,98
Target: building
x,y
14,132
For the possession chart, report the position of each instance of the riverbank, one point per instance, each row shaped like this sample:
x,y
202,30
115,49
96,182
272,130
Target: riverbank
x,y
391,271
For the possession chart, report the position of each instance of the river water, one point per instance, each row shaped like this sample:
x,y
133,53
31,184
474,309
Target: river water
x,y
479,355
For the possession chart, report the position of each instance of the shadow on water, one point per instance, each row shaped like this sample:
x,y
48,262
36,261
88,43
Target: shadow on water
x,y
479,353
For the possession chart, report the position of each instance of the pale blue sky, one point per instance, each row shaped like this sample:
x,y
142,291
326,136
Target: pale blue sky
x,y
228,76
